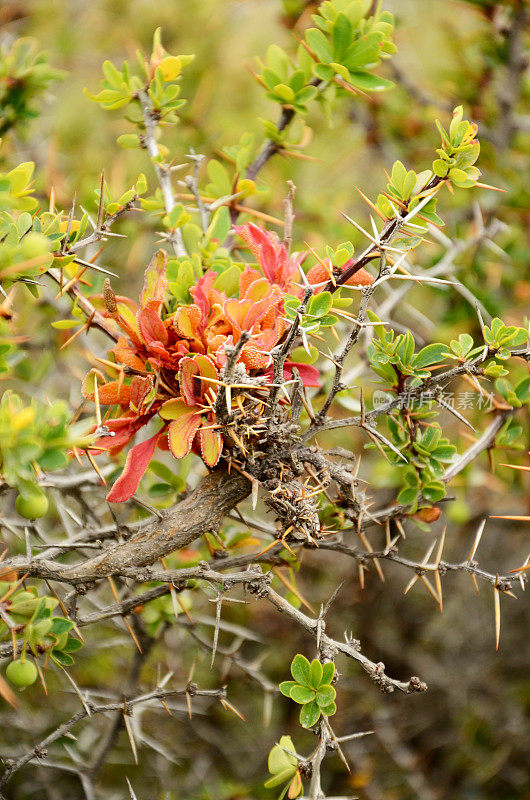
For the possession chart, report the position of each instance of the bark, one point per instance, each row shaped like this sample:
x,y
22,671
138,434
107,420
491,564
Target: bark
x,y
202,511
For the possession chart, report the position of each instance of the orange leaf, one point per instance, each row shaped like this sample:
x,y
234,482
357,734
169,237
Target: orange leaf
x,y
182,432
139,389
112,393
186,321
126,354
190,369
211,445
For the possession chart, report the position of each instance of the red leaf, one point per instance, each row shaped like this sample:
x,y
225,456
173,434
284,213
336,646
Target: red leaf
x,y
246,279
270,253
123,429
151,326
138,459
200,293
309,375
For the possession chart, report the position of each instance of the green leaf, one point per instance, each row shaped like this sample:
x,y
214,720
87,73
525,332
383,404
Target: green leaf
x,y
219,227
432,354
495,370
407,496
324,71
409,184
325,695
284,92
160,490
440,167
319,44
328,711
278,759
368,82
315,673
228,281
65,324
286,686
72,645
165,473
522,390
280,777
61,625
457,175
128,141
520,338
328,672
320,304
328,320
301,694
434,491
306,94
300,670
64,659
309,715
301,356
398,176
341,36
278,61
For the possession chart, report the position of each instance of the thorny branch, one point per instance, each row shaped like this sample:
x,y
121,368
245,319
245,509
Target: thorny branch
x,y
162,172
280,459
124,706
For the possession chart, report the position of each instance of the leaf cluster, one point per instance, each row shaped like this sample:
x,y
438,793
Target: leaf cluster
x,y
311,688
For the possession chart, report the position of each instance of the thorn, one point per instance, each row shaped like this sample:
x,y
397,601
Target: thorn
x,y
491,188
95,467
360,229
372,205
64,245
229,707
101,207
130,734
437,578
478,537
74,336
96,399
216,631
255,490
497,610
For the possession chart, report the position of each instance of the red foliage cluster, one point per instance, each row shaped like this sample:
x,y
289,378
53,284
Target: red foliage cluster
x,y
168,365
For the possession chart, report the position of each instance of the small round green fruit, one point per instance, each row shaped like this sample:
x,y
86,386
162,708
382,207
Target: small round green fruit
x,y
32,507
22,673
